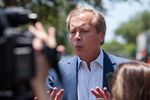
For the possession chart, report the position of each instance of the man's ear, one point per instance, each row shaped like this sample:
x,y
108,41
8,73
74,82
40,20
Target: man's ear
x,y
101,36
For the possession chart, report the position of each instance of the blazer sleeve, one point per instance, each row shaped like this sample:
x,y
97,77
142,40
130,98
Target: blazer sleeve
x,y
51,80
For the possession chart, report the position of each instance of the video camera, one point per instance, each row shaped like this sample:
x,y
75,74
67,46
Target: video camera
x,y
16,51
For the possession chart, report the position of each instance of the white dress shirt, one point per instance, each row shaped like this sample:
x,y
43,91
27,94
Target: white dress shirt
x,y
88,79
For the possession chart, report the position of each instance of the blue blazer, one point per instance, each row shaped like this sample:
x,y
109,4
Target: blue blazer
x,y
69,75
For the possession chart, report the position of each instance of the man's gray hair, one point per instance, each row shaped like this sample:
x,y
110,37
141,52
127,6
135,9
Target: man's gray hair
x,y
98,20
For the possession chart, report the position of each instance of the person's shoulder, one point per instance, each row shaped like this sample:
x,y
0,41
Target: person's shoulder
x,y
67,60
64,64
118,59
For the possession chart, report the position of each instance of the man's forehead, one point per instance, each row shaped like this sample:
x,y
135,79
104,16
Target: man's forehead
x,y
81,26
81,19
83,14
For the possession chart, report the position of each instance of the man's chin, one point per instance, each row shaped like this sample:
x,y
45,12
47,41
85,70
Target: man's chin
x,y
79,54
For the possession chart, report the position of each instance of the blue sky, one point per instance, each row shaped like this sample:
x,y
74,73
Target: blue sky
x,y
121,12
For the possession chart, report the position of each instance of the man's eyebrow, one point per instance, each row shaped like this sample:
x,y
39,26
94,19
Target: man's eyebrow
x,y
84,26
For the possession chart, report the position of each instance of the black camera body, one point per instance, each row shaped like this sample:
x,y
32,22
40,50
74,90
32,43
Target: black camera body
x,y
17,60
16,57
16,51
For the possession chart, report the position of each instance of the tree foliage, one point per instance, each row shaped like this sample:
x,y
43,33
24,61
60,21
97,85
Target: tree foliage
x,y
119,49
129,31
137,24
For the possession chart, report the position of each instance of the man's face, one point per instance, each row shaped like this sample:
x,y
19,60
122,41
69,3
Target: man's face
x,y
83,35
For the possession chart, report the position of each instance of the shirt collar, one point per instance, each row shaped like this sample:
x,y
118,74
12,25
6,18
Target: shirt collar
x,y
79,62
99,59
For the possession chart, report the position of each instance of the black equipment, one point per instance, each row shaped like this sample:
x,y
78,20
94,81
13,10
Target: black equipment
x,y
16,54
17,65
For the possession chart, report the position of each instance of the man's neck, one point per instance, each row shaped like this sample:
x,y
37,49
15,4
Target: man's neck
x,y
89,58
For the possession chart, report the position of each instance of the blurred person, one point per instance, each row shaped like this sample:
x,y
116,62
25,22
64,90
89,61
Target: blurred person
x,y
132,82
42,67
88,68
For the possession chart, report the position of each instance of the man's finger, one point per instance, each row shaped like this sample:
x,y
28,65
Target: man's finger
x,y
107,94
52,37
100,91
39,26
53,94
59,94
35,98
95,93
37,44
52,31
48,91
38,31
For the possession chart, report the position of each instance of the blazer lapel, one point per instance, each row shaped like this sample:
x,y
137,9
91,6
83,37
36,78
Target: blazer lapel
x,y
108,68
70,83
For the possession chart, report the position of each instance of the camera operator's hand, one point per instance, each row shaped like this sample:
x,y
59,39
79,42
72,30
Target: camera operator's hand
x,y
40,33
42,65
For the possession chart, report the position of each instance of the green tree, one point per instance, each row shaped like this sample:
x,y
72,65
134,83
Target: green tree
x,y
139,23
119,49
129,31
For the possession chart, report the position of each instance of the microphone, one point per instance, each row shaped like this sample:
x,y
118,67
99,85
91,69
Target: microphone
x,y
109,77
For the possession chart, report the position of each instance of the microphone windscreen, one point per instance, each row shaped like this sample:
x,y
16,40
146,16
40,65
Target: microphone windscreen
x,y
109,77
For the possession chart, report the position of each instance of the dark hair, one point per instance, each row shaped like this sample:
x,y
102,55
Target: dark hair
x,y
132,82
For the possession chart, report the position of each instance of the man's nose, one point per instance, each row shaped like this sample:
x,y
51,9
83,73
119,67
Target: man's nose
x,y
77,36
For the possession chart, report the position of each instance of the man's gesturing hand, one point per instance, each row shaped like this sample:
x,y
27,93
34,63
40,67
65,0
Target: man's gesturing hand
x,y
54,95
101,93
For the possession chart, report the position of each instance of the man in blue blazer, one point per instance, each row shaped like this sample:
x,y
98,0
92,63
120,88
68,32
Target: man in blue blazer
x,y
81,74
69,76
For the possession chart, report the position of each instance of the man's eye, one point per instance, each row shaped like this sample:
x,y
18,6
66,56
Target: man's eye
x,y
84,31
72,32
